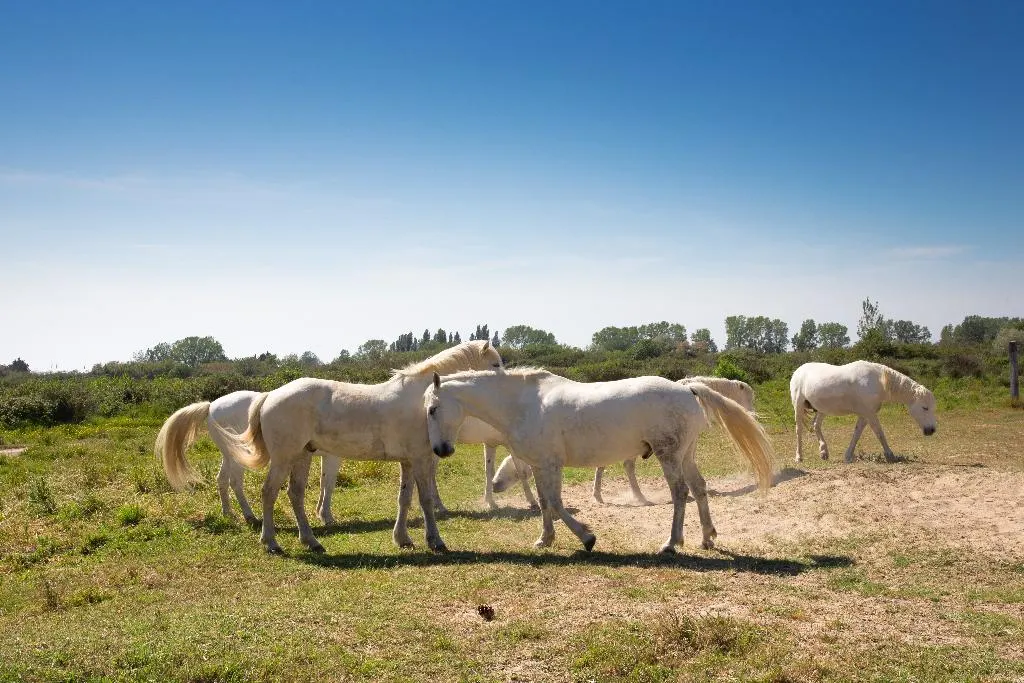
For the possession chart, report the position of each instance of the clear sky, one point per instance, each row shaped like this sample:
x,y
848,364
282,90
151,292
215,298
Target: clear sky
x,y
293,176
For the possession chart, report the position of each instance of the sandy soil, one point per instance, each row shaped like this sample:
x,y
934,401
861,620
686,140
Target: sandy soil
x,y
975,507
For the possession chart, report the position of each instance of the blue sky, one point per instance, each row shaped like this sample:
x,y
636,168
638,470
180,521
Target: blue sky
x,y
310,175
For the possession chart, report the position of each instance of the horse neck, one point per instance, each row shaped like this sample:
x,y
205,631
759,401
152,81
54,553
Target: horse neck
x,y
489,399
900,387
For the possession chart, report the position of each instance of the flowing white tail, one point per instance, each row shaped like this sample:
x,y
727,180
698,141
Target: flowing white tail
x,y
746,433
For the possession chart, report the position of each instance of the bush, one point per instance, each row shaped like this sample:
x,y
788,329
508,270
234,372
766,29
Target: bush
x,y
728,369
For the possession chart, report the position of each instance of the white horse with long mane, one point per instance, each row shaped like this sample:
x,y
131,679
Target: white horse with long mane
x,y
509,471
552,422
231,411
357,421
858,388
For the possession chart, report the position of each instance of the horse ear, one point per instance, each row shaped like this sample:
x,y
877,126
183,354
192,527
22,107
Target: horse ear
x,y
487,345
437,381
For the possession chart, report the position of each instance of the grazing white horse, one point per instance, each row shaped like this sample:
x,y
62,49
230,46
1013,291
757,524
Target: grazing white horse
x,y
180,430
356,421
858,388
509,470
552,422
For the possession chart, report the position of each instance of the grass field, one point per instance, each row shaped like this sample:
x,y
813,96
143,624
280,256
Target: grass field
x,y
841,572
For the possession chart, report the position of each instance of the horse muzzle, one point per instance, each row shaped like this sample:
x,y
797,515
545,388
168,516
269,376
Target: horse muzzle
x,y
928,431
444,450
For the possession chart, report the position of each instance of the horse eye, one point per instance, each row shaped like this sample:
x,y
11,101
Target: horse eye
x,y
925,409
496,365
433,409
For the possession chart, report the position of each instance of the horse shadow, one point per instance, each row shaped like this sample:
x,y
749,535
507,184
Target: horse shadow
x,y
721,561
361,526
787,474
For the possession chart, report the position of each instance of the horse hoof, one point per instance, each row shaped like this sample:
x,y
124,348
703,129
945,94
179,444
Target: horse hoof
x,y
824,456
317,548
534,507
542,543
254,521
668,550
589,543
708,544
274,550
891,457
439,548
408,545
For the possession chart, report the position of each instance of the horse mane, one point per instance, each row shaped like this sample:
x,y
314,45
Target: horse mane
x,y
523,372
898,385
460,357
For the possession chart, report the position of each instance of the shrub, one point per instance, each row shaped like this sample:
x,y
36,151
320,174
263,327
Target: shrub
x,y
728,369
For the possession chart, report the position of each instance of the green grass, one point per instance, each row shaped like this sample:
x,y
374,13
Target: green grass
x,y
107,574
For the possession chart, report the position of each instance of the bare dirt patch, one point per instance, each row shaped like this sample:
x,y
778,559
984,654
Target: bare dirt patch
x,y
975,507
13,450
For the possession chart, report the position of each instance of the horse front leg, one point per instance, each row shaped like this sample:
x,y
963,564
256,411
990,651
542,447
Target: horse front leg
x,y
423,472
297,484
598,475
857,430
489,453
271,487
549,487
435,494
634,485
330,465
819,418
524,480
673,470
405,487
876,427
547,534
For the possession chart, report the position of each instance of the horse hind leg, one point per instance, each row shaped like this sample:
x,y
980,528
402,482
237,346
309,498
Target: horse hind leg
x,y
598,475
223,487
237,482
819,418
695,482
271,488
672,467
634,485
800,416
297,494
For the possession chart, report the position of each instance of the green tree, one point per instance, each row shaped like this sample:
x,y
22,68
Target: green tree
x,y
372,349
194,351
701,340
18,365
521,336
615,338
908,332
872,323
343,357
760,333
833,336
309,359
807,338
495,340
664,332
156,354
440,337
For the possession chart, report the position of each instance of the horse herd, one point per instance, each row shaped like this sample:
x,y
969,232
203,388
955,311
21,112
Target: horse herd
x,y
547,422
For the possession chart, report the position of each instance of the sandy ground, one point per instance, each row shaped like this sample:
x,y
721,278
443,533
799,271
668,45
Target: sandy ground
x,y
975,507
13,451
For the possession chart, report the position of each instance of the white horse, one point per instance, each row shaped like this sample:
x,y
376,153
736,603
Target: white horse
x,y
473,431
356,421
552,422
858,388
509,470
